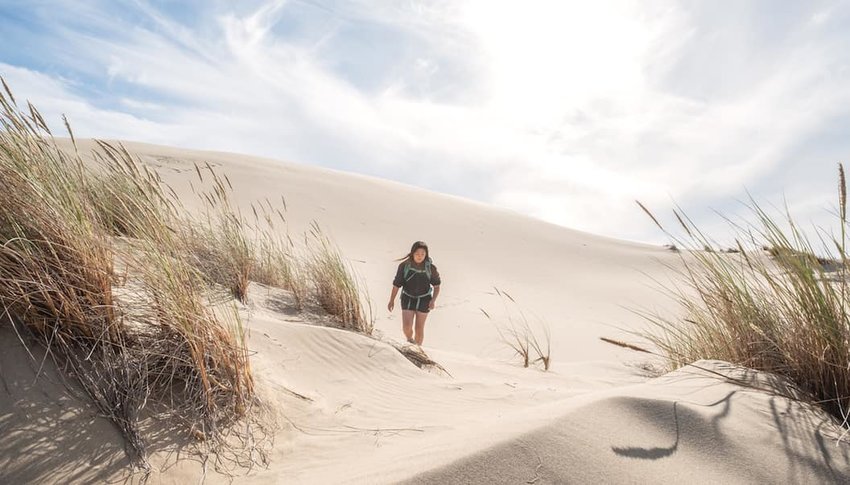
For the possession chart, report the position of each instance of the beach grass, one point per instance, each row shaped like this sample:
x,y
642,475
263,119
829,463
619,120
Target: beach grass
x,y
93,267
777,303
334,283
277,262
221,243
522,336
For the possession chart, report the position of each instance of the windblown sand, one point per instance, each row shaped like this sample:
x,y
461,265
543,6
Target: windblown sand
x,y
352,409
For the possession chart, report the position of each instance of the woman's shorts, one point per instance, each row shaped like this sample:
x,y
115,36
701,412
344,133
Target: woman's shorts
x,y
409,303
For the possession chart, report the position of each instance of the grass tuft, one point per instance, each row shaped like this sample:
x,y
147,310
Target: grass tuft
x,y
93,267
518,333
419,358
276,261
221,244
785,314
334,284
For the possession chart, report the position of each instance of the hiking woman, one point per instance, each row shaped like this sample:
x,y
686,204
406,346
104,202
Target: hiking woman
x,y
419,281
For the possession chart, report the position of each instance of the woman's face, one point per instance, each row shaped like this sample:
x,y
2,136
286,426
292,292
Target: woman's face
x,y
419,255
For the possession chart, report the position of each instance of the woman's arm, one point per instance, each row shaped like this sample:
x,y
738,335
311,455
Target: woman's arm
x,y
434,297
391,304
398,281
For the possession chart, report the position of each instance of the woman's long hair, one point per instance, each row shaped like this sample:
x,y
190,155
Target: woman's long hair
x,y
416,245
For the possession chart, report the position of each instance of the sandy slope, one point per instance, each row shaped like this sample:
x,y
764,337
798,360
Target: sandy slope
x,y
581,284
352,409
689,426
47,432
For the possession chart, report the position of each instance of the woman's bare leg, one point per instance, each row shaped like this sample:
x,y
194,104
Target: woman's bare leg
x,y
420,327
407,323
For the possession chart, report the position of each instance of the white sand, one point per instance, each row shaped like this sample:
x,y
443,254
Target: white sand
x,y
367,415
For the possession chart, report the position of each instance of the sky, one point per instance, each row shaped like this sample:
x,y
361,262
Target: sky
x,y
564,111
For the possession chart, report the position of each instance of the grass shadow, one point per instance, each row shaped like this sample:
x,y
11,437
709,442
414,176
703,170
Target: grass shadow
x,y
48,432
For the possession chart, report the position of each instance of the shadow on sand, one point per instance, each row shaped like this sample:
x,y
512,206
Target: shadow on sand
x,y
50,432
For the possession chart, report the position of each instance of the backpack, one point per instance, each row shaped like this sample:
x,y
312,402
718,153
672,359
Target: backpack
x,y
408,269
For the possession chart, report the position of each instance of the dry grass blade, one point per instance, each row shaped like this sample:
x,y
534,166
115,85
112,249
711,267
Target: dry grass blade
x,y
842,193
542,347
651,216
512,337
682,223
518,333
9,94
620,343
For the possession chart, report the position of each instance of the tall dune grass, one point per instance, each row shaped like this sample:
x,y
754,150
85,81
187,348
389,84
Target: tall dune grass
x,y
127,196
783,311
335,286
278,266
101,264
276,262
160,346
56,268
231,250
222,245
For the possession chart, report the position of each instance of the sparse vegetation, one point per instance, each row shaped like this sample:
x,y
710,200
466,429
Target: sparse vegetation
x,y
787,314
520,335
418,357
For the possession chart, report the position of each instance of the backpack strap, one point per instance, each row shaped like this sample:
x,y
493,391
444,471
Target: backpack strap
x,y
409,269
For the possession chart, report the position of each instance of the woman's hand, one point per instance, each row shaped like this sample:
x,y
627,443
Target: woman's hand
x,y
391,305
431,304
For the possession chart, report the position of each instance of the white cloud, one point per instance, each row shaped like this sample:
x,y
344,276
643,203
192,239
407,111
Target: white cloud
x,y
53,99
561,110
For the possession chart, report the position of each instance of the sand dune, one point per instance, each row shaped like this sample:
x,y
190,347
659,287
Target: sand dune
x,y
583,285
689,426
351,409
